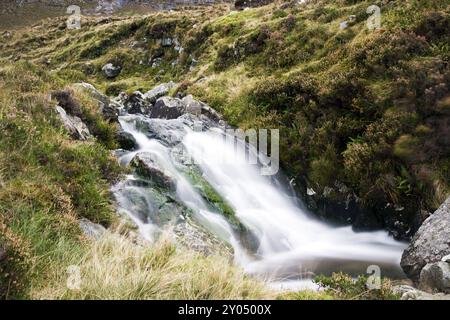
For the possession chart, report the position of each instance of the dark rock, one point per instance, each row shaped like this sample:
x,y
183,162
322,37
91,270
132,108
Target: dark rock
x,y
136,104
211,113
110,111
126,141
68,103
435,277
430,244
168,108
339,205
110,70
147,165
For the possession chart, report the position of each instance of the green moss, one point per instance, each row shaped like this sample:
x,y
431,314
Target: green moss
x,y
213,197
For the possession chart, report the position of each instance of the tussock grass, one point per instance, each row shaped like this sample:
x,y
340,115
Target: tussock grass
x,y
117,268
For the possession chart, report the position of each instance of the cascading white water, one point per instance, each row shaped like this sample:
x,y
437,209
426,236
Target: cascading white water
x,y
291,242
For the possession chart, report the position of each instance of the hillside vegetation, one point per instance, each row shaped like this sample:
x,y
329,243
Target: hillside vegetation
x,y
364,118
364,114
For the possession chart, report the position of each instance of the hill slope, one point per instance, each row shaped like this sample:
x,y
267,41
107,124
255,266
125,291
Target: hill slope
x,y
364,114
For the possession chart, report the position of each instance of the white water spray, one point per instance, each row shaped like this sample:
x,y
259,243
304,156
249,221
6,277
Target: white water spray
x,y
292,244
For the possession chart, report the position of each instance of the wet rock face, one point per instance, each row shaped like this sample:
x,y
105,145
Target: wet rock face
x,y
126,141
430,244
147,166
136,104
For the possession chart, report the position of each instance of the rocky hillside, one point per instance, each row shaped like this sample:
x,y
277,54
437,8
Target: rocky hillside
x,y
364,113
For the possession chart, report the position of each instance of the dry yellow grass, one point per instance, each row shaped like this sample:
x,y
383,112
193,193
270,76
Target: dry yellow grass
x,y
116,268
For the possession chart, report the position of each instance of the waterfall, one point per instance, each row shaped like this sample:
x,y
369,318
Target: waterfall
x,y
292,243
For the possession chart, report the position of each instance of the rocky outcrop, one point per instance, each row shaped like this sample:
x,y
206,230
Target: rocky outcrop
x,y
430,244
168,108
109,109
74,125
242,4
196,238
135,103
111,71
126,141
146,165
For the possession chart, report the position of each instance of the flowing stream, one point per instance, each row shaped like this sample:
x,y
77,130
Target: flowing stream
x,y
291,244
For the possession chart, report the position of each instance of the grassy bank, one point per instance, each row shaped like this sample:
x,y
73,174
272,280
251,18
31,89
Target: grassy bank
x,y
48,181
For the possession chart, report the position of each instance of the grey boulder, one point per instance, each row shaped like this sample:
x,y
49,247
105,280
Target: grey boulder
x,y
135,103
148,166
430,244
192,106
435,277
157,92
410,293
74,125
110,70
168,108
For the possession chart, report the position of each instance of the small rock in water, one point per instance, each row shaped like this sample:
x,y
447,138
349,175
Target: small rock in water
x,y
310,192
126,141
